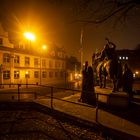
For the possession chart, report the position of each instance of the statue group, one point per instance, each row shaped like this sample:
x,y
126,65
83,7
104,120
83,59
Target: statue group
x,y
105,64
108,65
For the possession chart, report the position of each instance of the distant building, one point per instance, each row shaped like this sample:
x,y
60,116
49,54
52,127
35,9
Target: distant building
x,y
25,66
132,58
73,69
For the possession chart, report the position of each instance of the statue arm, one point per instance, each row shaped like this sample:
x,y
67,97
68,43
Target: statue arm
x,y
113,45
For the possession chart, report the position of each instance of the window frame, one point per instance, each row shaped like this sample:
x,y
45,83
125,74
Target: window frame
x,y
6,74
44,74
27,61
6,57
17,59
36,62
16,74
36,74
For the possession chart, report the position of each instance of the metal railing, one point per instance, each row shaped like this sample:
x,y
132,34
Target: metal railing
x,y
47,92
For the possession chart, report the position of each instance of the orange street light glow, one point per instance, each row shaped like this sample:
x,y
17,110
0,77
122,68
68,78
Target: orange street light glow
x,y
27,72
44,47
29,36
137,72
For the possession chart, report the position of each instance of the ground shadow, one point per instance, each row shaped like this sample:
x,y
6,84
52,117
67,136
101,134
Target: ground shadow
x,y
131,113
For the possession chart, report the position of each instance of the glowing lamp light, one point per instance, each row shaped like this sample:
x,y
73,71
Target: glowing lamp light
x,y
27,72
137,72
29,36
76,74
44,47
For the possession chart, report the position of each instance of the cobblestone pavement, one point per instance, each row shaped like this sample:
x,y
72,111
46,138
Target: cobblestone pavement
x,y
33,125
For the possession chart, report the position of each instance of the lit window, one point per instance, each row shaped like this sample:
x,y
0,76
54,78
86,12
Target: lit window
x,y
126,57
123,57
16,74
27,74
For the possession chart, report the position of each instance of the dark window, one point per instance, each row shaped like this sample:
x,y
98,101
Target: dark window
x,y
6,74
43,63
36,74
50,64
36,61
61,74
56,74
27,61
44,74
16,59
50,74
6,57
1,41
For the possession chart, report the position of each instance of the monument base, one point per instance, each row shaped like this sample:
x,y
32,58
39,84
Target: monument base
x,y
117,99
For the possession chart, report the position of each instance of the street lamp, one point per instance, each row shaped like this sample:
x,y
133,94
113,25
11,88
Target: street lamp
x,y
43,48
29,36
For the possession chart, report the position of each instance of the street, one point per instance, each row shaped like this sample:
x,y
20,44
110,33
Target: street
x,y
59,91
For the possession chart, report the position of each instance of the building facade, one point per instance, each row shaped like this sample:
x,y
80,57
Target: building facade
x,y
26,66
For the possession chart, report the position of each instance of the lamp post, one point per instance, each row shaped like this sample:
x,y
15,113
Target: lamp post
x,y
81,43
43,48
27,76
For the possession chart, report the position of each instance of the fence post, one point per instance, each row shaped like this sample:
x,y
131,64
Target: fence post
x,y
18,93
35,95
51,97
97,107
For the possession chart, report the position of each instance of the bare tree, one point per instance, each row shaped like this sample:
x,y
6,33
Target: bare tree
x,y
99,11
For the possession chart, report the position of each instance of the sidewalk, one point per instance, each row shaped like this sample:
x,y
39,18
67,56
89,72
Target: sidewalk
x,y
88,113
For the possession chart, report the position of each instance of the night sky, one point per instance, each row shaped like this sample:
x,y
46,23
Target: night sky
x,y
51,22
